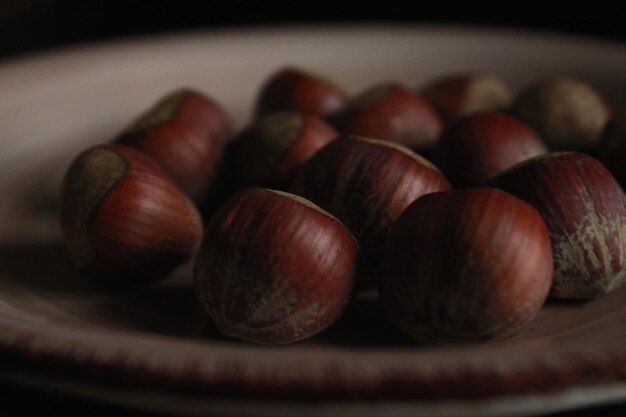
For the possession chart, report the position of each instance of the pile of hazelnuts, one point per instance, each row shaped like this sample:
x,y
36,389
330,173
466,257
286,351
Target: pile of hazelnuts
x,y
324,195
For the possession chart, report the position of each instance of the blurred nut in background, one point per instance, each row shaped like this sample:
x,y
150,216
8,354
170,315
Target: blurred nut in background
x,y
612,148
391,112
569,114
298,90
481,146
459,95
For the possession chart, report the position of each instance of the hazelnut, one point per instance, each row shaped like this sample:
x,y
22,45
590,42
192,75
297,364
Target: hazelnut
x,y
568,114
269,152
391,112
366,184
274,268
465,266
479,147
186,133
585,211
123,218
459,95
612,148
297,90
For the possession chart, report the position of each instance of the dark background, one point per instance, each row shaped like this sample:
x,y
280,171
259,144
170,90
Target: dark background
x,y
28,26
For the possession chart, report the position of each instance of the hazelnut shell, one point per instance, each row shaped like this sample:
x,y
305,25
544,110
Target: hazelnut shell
x,y
465,266
568,114
391,112
123,219
270,151
478,147
274,268
186,132
298,90
585,211
367,183
612,148
459,95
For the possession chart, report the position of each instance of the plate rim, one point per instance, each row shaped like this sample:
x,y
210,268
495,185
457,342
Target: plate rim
x,y
526,405
108,45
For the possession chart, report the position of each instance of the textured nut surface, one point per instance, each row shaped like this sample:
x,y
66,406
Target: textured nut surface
x,y
186,132
274,268
123,218
585,210
367,183
466,265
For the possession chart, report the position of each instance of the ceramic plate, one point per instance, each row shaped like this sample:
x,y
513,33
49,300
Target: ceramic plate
x,y
153,348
